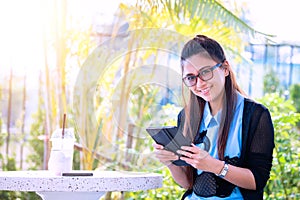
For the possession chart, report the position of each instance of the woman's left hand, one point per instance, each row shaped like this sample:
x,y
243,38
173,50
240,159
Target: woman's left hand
x,y
195,156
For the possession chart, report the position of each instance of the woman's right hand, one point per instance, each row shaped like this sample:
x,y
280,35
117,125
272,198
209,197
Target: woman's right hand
x,y
164,156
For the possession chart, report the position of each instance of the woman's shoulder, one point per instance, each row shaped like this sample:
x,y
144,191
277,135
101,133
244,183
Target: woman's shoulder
x,y
252,104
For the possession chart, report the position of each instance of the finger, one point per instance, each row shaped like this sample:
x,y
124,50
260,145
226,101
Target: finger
x,y
193,145
193,149
164,153
166,158
157,146
185,153
187,159
193,162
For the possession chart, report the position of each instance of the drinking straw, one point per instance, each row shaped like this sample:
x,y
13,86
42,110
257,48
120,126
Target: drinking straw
x,y
63,129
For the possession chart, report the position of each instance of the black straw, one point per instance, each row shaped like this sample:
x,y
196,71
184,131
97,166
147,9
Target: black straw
x,y
63,129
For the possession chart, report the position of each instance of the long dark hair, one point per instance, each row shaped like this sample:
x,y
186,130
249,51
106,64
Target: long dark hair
x,y
210,48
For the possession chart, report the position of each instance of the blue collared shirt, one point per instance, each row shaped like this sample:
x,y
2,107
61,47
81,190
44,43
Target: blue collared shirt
x,y
234,141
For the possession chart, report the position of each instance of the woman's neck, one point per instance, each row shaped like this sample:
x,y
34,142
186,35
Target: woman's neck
x,y
216,104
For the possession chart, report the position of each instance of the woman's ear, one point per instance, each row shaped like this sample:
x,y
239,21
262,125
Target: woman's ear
x,y
226,67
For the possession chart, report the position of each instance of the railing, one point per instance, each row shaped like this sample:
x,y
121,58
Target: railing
x,y
283,59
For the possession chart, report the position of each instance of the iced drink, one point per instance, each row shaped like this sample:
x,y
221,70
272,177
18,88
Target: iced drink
x,y
61,155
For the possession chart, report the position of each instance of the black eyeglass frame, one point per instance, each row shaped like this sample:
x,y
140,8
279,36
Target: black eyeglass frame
x,y
199,75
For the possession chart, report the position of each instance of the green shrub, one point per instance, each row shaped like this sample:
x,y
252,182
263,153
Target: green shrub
x,y
169,191
295,95
271,82
284,180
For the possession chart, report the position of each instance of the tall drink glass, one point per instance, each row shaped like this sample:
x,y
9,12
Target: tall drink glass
x,y
61,155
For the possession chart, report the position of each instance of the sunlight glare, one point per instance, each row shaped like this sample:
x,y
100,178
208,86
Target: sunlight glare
x,y
21,35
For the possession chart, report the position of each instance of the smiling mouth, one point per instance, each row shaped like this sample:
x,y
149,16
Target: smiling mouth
x,y
204,90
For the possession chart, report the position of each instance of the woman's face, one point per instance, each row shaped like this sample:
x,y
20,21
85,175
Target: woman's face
x,y
211,90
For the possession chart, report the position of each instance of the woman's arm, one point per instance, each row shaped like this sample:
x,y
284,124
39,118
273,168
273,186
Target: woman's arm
x,y
198,158
259,155
181,174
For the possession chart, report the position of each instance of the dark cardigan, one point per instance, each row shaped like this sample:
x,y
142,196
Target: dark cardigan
x,y
257,147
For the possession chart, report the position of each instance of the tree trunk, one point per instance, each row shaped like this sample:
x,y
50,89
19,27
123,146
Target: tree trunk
x,y
108,196
9,111
23,123
47,98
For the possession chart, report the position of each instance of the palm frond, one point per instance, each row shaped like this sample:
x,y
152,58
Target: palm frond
x,y
205,10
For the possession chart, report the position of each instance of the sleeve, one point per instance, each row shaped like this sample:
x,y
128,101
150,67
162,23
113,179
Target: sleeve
x,y
260,150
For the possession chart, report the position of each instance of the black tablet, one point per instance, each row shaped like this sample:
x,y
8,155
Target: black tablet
x,y
171,138
164,136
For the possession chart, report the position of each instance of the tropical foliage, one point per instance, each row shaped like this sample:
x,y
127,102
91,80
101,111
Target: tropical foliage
x,y
284,181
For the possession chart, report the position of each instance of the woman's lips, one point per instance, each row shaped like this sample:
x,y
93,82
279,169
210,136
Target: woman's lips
x,y
204,91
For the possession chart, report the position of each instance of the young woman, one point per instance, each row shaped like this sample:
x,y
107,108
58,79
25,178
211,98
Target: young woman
x,y
232,136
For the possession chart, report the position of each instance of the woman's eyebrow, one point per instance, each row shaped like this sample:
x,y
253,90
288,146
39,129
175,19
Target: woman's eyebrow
x,y
200,68
189,74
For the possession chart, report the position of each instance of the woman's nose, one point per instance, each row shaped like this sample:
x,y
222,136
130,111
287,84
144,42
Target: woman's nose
x,y
199,81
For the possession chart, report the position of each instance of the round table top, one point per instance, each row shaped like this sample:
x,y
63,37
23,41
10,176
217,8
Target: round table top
x,y
100,181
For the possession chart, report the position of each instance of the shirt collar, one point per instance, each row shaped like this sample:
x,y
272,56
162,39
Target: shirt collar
x,y
210,120
207,114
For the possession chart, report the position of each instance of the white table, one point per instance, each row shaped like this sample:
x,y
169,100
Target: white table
x,y
50,186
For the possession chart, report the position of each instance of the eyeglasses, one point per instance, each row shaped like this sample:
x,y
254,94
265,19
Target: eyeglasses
x,y
204,74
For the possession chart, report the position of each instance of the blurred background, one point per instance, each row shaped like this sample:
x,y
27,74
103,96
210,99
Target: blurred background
x,y
91,60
